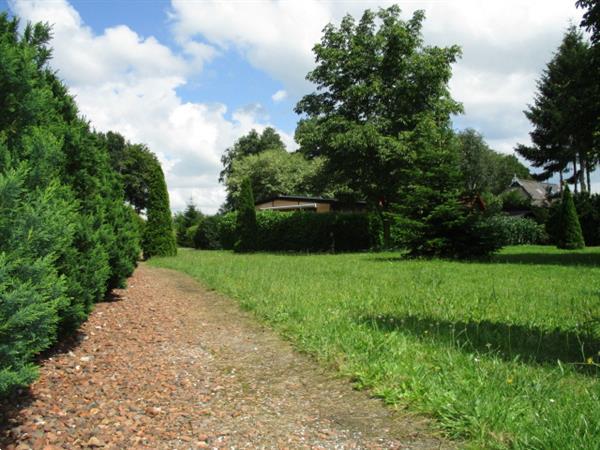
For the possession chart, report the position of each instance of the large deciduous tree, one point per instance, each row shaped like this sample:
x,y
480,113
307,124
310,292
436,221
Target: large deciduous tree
x,y
483,169
272,172
380,114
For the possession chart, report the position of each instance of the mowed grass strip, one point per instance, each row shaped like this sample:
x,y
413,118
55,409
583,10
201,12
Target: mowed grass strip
x,y
502,353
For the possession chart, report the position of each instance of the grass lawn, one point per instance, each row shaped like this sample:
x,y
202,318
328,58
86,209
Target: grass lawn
x,y
503,353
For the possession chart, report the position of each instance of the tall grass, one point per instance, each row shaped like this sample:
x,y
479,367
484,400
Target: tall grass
x,y
502,353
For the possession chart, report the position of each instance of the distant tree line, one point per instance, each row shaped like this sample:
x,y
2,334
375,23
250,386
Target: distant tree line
x,y
69,231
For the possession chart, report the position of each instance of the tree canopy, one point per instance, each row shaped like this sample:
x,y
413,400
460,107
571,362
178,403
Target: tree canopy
x,y
483,169
564,114
380,94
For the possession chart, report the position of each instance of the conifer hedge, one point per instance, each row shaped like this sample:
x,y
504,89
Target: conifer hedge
x,y
67,235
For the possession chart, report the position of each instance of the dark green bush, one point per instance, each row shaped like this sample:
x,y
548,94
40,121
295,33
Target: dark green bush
x,y
311,232
451,230
568,229
207,235
227,224
66,235
588,210
159,236
246,220
517,230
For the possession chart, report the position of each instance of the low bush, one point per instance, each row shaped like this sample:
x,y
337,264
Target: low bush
x,y
512,230
452,230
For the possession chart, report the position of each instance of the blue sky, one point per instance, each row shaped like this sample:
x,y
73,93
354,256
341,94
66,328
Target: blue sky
x,y
189,77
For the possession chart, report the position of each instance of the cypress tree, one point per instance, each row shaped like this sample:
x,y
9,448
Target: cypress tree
x,y
246,219
159,239
569,229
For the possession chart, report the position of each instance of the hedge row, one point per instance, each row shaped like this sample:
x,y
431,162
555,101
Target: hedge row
x,y
66,235
295,231
310,232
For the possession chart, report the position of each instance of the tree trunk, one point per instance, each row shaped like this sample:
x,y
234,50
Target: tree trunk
x,y
589,176
560,175
582,166
575,176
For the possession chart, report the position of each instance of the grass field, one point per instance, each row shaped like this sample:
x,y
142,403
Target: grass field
x,y
503,353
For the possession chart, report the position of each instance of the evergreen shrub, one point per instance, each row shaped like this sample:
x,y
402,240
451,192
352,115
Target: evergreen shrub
x,y
246,220
568,229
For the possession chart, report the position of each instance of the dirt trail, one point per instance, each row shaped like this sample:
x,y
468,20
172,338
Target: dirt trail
x,y
168,364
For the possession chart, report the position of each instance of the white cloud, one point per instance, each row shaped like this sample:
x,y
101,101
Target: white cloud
x,y
505,46
128,84
279,96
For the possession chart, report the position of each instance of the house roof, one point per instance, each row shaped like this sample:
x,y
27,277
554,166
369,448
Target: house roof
x,y
300,198
538,191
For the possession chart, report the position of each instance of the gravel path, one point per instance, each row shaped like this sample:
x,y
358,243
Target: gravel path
x,y
168,364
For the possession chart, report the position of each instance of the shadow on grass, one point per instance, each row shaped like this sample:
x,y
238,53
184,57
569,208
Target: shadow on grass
x,y
553,259
528,344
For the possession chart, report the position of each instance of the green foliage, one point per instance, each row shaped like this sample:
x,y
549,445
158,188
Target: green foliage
x,y
208,233
568,234
295,231
588,211
483,169
66,236
250,144
565,113
380,112
246,220
183,221
159,236
310,232
452,230
36,227
515,200
517,230
272,172
474,346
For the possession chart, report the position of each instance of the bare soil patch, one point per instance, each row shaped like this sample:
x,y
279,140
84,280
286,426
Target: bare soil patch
x,y
169,364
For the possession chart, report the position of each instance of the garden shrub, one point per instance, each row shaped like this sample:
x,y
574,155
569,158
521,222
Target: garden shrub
x,y
246,220
517,230
588,211
227,228
159,236
452,230
207,233
568,229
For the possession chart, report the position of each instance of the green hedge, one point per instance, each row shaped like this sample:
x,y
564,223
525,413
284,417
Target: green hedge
x,y
66,234
512,230
296,231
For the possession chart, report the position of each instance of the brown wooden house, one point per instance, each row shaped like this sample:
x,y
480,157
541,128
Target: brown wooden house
x,y
315,204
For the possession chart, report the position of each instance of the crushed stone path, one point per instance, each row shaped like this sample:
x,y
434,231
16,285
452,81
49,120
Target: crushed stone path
x,y
169,364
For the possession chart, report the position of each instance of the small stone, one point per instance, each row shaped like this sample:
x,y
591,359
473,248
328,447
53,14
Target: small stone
x,y
95,442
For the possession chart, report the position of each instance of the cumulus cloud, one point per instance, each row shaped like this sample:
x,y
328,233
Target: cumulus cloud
x,y
127,83
279,96
505,46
